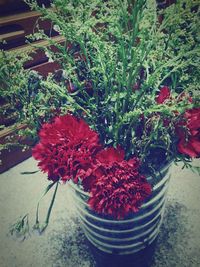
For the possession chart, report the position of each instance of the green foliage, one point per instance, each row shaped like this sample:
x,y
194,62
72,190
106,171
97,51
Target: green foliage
x,y
117,54
21,229
31,99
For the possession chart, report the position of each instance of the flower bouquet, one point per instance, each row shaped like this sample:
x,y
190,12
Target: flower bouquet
x,y
123,106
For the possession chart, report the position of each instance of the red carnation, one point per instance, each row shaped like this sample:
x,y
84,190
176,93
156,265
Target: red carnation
x,y
111,155
66,148
119,188
164,95
189,143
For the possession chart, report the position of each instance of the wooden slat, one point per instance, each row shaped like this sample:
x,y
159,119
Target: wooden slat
x,y
46,68
25,21
10,130
11,35
18,17
13,157
37,44
39,57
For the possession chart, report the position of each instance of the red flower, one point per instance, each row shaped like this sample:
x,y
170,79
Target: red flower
x,y
110,155
119,187
189,144
164,95
66,148
189,141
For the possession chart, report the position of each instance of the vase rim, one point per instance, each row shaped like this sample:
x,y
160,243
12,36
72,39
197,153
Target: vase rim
x,y
149,178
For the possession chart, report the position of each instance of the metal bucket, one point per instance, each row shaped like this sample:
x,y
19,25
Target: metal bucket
x,y
132,234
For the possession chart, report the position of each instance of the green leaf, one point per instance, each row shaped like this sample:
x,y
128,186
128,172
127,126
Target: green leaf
x,y
29,172
195,169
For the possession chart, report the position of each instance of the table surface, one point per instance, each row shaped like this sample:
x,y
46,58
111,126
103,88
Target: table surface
x,y
64,244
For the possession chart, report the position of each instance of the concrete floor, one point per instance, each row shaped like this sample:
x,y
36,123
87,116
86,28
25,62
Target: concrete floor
x,y
64,244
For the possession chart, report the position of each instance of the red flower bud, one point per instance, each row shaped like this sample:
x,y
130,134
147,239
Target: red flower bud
x,y
189,143
164,95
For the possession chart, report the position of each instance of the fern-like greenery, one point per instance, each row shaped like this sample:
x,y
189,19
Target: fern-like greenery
x,y
116,56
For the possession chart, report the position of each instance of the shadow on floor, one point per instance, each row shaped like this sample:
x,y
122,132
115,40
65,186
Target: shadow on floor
x,y
140,259
76,251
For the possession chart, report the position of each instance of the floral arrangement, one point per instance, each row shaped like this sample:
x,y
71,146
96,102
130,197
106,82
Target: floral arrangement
x,y
70,150
125,102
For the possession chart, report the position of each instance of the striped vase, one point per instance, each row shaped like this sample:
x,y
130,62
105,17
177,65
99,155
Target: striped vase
x,y
132,234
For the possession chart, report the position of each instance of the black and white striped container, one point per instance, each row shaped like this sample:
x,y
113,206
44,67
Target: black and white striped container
x,y
129,235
